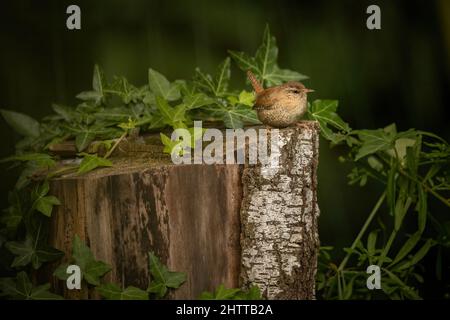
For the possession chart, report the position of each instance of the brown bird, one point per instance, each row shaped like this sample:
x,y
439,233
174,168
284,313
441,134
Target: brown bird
x,y
279,106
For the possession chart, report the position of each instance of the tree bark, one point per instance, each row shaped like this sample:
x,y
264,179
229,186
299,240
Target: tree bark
x,y
279,214
187,215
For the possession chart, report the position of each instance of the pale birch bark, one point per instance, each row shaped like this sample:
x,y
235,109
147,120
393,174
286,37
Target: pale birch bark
x,y
279,212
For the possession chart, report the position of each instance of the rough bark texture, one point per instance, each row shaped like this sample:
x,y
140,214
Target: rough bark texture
x,y
279,214
199,219
188,215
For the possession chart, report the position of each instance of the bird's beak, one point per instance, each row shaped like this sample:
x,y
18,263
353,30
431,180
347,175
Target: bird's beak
x,y
309,90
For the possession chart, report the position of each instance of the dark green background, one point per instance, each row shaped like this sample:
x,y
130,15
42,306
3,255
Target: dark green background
x,y
398,74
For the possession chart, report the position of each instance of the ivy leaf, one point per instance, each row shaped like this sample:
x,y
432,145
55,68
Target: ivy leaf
x,y
31,251
93,96
196,101
246,98
98,86
92,161
324,112
221,293
168,143
81,252
217,85
42,293
231,120
252,294
84,139
42,202
12,216
222,78
244,61
111,291
278,76
160,86
167,112
45,204
61,271
67,113
39,159
98,82
21,288
235,117
159,289
21,123
91,269
372,142
264,64
266,55
162,278
94,270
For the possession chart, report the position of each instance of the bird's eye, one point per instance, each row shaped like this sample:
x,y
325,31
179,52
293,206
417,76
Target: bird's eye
x,y
295,91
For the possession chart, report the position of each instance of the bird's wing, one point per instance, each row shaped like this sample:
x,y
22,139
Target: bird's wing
x,y
266,100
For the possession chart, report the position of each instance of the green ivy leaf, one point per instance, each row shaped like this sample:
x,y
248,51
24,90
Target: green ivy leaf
x,y
246,98
61,271
98,82
253,293
266,56
197,100
162,278
373,141
217,85
67,113
21,123
264,64
41,201
244,61
22,289
40,159
45,205
222,78
160,86
223,293
31,251
168,143
83,140
92,161
91,269
324,112
277,76
94,270
111,291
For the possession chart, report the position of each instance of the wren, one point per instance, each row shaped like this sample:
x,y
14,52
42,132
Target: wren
x,y
279,106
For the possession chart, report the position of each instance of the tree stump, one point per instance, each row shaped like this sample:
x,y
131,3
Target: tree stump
x,y
231,224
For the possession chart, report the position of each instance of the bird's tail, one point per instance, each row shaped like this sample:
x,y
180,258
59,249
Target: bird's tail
x,y
255,83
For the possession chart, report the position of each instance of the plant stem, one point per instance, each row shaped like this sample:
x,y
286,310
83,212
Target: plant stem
x,y
422,183
363,230
426,187
387,247
115,145
61,170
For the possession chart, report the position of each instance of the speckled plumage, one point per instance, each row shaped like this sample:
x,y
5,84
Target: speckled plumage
x,y
282,105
